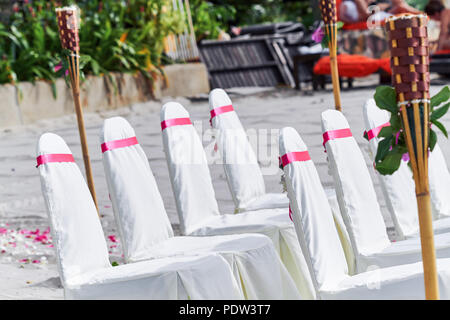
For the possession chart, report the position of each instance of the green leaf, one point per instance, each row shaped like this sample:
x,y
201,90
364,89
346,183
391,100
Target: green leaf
x,y
390,164
383,148
395,122
439,112
53,86
440,127
114,264
385,98
440,97
433,139
385,132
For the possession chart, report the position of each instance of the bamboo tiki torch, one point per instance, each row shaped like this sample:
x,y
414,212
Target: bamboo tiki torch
x,y
328,9
68,24
411,79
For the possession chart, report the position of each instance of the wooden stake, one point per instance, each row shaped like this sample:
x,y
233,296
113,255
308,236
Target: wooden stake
x,y
418,153
334,67
75,83
329,17
68,23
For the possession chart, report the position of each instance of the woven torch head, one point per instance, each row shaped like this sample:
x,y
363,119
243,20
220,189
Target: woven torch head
x,y
68,25
408,42
328,9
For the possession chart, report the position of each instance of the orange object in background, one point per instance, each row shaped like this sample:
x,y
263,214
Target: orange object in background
x,y
447,51
352,66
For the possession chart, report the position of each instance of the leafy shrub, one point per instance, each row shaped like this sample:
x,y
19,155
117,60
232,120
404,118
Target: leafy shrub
x,y
115,35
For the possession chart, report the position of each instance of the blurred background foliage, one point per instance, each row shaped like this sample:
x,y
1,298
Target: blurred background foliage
x,y
122,36
125,35
211,16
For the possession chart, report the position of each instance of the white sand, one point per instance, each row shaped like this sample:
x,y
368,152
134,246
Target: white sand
x,y
22,208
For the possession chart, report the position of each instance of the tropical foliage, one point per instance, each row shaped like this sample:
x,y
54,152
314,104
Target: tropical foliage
x,y
392,148
122,36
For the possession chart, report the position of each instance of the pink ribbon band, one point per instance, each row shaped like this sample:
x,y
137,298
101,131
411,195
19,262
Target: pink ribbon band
x,y
336,134
115,144
375,131
294,156
56,157
175,122
220,110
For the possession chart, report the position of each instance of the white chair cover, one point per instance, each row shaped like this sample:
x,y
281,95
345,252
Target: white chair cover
x,y
243,173
398,188
197,205
82,254
360,208
188,171
139,212
240,164
141,218
439,179
319,240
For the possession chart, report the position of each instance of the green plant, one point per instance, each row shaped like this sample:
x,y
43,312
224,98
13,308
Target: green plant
x,y
392,148
115,36
209,19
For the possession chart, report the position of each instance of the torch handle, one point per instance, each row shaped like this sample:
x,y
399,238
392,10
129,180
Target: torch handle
x,y
332,46
335,81
80,120
428,250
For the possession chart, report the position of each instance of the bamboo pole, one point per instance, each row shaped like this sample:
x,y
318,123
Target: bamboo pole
x,y
68,31
410,63
328,9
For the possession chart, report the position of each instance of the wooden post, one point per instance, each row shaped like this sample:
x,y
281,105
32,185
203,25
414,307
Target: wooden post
x,y
410,77
328,9
68,31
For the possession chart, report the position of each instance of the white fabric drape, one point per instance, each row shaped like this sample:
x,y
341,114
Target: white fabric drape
x,y
193,192
140,213
243,174
320,242
360,209
82,254
398,188
240,164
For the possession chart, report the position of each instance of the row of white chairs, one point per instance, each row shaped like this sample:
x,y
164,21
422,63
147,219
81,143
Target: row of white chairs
x,y
358,221
258,252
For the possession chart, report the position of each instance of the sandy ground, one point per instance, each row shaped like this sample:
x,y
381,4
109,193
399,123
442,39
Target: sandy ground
x,y
27,259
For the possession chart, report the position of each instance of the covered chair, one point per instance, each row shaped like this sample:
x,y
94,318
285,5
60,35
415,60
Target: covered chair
x,y
146,232
244,176
240,164
399,189
359,205
82,253
197,206
320,242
